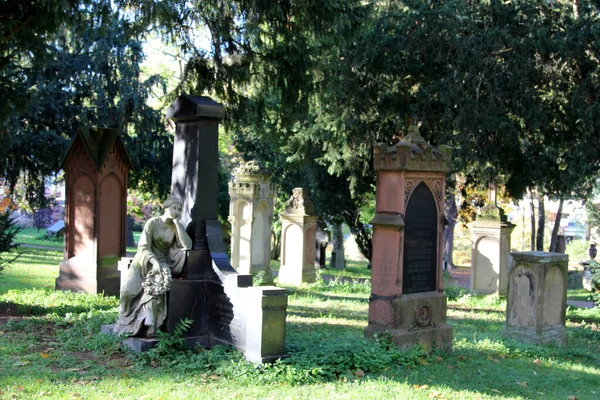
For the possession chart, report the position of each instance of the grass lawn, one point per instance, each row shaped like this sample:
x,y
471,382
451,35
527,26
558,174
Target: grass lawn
x,y
52,348
32,236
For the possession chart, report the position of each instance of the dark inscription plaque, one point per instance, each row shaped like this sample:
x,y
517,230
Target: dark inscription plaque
x,y
420,242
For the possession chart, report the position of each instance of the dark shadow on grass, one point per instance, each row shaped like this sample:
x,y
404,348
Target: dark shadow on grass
x,y
309,293
304,313
9,308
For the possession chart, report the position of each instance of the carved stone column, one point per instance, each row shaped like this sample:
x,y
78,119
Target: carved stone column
x,y
251,197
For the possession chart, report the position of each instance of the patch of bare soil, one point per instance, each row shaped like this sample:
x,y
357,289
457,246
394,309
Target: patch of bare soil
x,y
460,277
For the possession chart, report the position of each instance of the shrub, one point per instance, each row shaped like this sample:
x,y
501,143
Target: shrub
x,y
594,267
8,231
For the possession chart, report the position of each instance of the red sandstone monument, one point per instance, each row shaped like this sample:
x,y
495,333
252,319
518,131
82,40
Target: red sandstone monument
x,y
407,298
96,171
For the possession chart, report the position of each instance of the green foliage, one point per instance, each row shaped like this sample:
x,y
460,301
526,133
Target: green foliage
x,y
261,278
455,292
577,250
594,267
82,70
8,232
169,346
342,285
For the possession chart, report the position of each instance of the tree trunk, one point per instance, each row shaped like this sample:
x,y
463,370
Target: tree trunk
x,y
539,243
451,216
554,237
532,217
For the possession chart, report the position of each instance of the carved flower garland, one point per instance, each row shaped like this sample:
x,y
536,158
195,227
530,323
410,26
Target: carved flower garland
x,y
157,282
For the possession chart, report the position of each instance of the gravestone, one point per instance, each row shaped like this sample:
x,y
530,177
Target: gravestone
x,y
537,298
96,172
407,298
490,234
322,240
222,303
338,256
298,235
251,197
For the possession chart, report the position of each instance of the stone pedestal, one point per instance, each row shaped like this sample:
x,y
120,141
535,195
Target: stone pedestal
x,y
96,172
298,235
251,197
407,298
537,297
490,256
265,334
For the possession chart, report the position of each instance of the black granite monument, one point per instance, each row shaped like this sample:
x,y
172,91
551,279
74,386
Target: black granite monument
x,y
224,306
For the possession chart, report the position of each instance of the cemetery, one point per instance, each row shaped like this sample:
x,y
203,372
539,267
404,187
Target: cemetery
x,y
299,212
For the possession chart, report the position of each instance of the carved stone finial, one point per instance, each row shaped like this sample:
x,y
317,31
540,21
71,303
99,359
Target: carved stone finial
x,y
299,203
491,211
251,167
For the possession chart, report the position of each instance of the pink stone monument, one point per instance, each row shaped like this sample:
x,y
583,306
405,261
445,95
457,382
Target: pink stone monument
x,y
96,171
407,298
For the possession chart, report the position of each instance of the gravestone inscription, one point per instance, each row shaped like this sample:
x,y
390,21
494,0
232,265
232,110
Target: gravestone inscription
x,y
420,242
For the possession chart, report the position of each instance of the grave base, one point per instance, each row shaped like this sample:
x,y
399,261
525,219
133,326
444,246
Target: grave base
x,y
80,275
439,337
556,335
293,275
141,344
413,319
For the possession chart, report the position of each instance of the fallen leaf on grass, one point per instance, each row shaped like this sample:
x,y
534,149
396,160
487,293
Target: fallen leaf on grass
x,y
44,355
572,398
537,361
439,359
359,372
495,391
422,387
524,384
436,395
44,393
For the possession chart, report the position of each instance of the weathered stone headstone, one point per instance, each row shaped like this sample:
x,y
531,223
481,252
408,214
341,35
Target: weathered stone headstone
x,y
251,197
338,257
407,298
96,172
220,301
537,297
490,234
298,235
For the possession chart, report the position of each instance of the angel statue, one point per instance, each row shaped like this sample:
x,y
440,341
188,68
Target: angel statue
x,y
160,256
